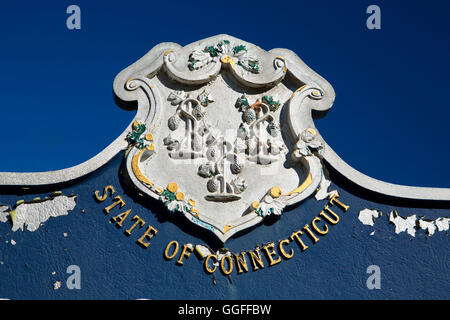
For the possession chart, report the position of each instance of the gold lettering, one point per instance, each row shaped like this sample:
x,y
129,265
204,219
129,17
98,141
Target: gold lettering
x,y
186,252
139,221
296,236
241,262
149,233
256,259
326,217
321,232
334,200
121,218
105,195
175,250
230,265
281,249
270,253
118,200
207,263
310,233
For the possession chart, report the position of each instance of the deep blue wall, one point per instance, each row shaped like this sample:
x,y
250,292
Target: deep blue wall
x,y
113,266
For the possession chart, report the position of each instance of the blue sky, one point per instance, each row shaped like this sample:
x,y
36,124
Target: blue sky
x,y
390,119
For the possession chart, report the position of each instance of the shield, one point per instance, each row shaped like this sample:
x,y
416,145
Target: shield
x,y
224,133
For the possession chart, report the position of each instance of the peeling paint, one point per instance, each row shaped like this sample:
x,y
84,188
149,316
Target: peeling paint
x,y
4,213
322,192
442,224
32,214
56,285
202,250
429,226
403,224
368,216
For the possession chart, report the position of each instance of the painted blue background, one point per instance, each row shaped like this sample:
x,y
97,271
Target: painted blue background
x,y
113,266
389,121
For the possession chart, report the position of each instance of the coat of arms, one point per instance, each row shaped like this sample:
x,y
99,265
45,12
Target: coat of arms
x,y
224,132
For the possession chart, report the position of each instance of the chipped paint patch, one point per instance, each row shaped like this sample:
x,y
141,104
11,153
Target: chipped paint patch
x,y
32,214
322,191
202,250
403,224
368,216
4,213
429,226
442,224
56,285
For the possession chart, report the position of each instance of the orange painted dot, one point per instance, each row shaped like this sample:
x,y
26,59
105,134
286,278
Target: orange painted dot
x,y
275,192
172,187
195,212
179,196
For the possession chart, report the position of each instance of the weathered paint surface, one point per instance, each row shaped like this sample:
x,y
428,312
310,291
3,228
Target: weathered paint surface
x,y
114,267
31,215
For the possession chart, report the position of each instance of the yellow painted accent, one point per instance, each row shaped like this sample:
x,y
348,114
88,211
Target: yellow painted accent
x,y
270,250
20,202
175,250
159,190
185,252
12,214
226,228
191,202
298,90
137,172
275,192
302,187
230,265
151,147
206,264
312,131
179,196
167,52
129,79
195,212
228,59
200,252
255,204
334,201
148,234
148,137
172,187
284,59
135,124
